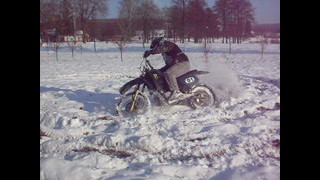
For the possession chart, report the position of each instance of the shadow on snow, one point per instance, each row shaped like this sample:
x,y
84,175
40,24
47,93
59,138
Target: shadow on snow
x,y
92,101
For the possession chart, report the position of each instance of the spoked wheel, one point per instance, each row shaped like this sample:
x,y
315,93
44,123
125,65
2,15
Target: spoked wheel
x,y
128,107
203,96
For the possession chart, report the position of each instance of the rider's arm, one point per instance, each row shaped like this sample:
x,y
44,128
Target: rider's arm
x,y
163,69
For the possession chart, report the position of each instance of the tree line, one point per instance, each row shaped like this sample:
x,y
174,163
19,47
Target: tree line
x,y
184,20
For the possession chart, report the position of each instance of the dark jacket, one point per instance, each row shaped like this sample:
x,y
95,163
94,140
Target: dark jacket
x,y
171,53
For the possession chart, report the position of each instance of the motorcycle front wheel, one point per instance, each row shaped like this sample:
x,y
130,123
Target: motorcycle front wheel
x,y
141,105
202,96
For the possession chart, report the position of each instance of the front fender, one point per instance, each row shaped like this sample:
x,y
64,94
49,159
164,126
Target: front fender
x,y
129,84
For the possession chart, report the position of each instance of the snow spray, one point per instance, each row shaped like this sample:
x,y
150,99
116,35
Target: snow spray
x,y
222,78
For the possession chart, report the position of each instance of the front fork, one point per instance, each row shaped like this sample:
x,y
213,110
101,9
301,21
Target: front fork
x,y
135,96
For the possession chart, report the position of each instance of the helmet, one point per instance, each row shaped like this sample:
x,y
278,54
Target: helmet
x,y
156,41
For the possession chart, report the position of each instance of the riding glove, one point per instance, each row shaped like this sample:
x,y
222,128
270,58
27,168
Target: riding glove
x,y
146,53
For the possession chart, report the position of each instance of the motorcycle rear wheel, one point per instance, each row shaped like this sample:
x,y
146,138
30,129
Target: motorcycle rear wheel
x,y
203,96
141,106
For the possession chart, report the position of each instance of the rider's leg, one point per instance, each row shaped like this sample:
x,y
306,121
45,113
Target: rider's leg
x,y
175,71
171,75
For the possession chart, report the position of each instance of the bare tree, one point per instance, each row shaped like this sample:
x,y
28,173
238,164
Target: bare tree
x,y
95,32
86,10
56,46
222,8
181,6
128,18
126,23
172,21
54,42
230,44
235,18
110,29
211,25
147,12
72,44
49,14
242,20
66,12
263,41
121,42
80,46
197,24
206,49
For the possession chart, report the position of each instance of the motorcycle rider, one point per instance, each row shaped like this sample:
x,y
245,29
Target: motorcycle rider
x,y
176,64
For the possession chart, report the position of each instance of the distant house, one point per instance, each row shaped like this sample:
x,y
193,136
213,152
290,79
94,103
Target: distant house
x,y
77,37
68,38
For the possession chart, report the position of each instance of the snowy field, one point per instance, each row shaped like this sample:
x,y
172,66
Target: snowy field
x,y
82,139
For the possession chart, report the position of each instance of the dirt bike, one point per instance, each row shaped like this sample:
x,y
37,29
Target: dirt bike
x,y
137,102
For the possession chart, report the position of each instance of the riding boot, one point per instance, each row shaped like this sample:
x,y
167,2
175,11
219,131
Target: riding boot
x,y
175,96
